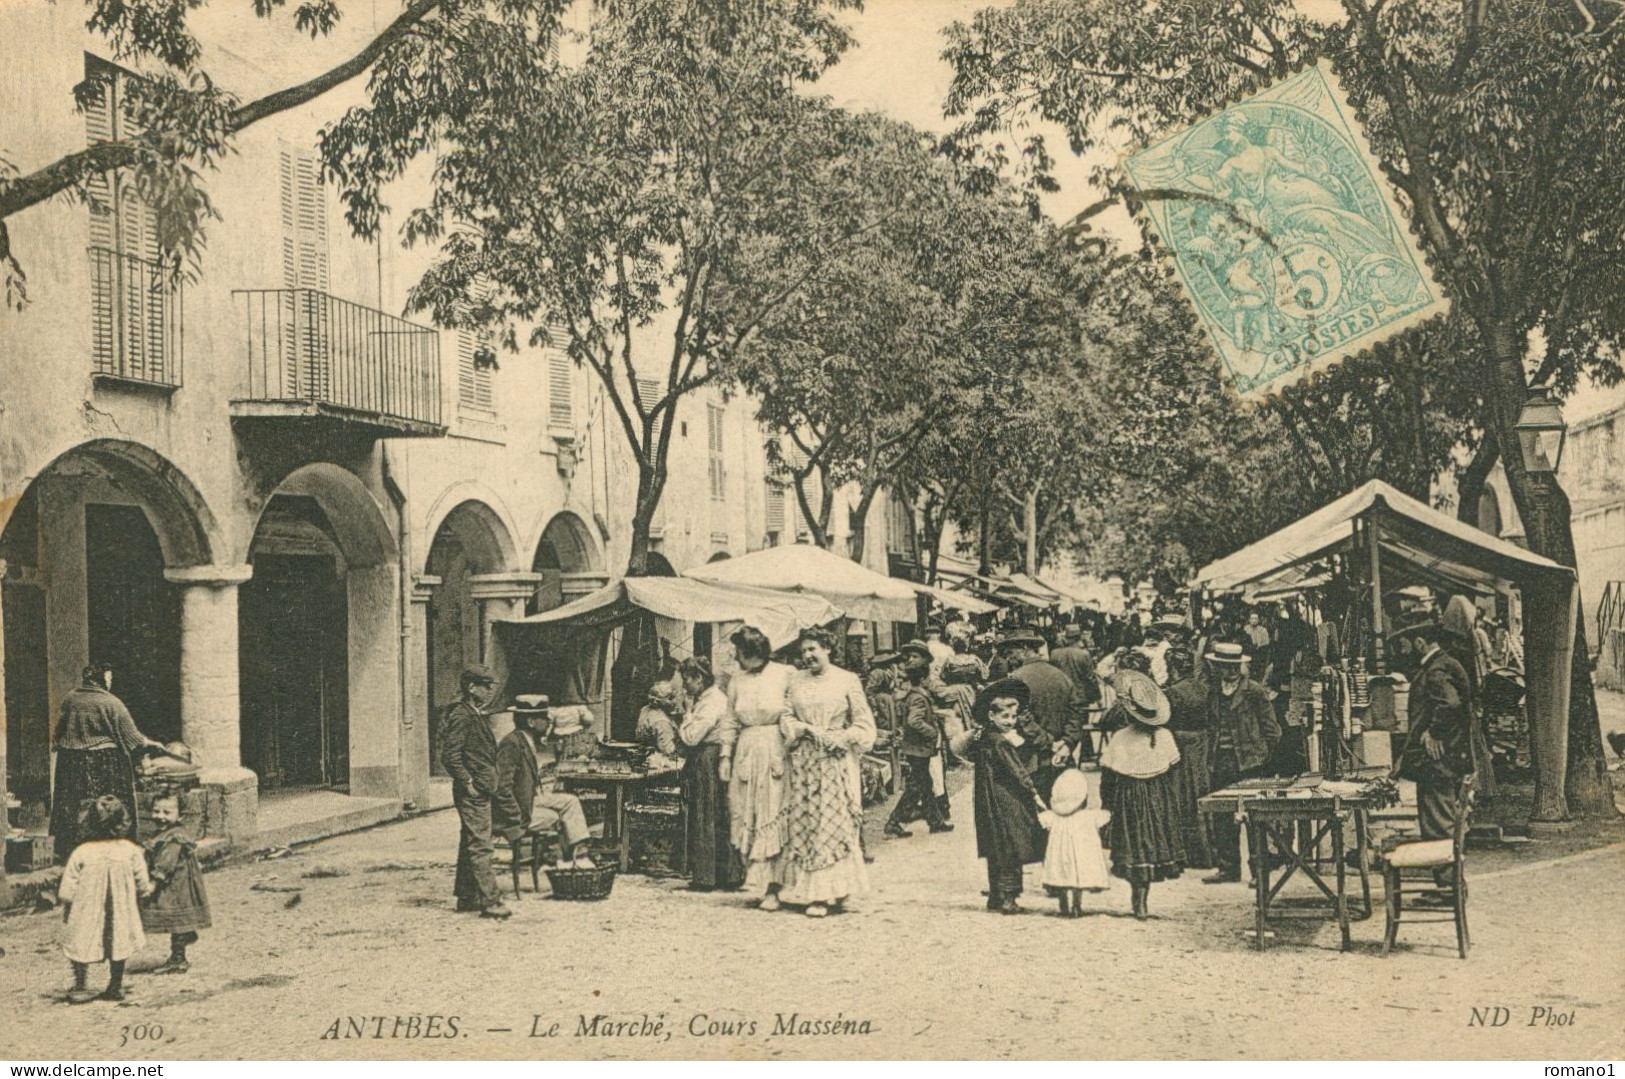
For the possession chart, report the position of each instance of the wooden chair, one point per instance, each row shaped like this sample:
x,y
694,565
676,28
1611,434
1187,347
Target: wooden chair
x,y
1415,861
533,850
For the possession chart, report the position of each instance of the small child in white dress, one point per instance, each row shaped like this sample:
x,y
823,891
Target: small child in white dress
x,y
1074,861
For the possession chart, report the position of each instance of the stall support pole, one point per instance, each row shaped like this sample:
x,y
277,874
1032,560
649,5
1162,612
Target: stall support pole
x,y
1379,664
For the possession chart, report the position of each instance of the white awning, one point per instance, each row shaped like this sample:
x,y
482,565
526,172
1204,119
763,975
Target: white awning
x,y
858,591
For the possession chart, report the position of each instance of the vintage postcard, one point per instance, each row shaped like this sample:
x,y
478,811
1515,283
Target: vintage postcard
x,y
690,530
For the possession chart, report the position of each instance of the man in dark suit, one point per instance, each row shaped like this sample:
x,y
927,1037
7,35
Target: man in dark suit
x,y
1438,752
1245,732
520,804
1051,696
468,748
922,740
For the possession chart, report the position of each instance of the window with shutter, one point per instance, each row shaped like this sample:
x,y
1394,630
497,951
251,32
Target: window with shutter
x,y
306,312
775,506
561,405
475,394
135,302
719,473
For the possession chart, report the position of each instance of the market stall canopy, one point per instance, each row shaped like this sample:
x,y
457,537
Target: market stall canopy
x,y
802,568
1411,531
1432,548
1029,588
959,601
780,615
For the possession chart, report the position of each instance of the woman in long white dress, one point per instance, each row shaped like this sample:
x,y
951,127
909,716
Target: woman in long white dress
x,y
752,761
829,730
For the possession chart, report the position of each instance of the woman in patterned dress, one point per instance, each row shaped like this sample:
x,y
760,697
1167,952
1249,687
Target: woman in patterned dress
x,y
752,761
829,730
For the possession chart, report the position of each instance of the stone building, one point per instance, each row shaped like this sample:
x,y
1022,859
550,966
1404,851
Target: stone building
x,y
285,514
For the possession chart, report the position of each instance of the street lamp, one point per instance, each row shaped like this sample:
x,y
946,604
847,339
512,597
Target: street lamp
x,y
1541,431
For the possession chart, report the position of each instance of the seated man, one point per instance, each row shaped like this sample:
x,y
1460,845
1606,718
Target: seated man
x,y
520,806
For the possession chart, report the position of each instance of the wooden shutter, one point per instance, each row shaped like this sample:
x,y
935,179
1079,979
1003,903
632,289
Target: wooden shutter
x,y
649,392
474,383
561,406
132,317
305,310
714,440
775,505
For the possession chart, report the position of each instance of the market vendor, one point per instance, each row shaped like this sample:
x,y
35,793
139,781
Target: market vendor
x,y
521,803
96,745
1438,750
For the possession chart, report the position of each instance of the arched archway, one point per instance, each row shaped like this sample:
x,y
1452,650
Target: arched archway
x,y
566,549
87,545
318,632
471,542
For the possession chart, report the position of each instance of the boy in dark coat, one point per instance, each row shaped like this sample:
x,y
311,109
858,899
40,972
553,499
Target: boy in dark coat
x,y
921,733
1008,833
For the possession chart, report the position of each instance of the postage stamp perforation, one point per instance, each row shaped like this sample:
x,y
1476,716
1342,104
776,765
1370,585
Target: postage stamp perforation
x,y
1341,218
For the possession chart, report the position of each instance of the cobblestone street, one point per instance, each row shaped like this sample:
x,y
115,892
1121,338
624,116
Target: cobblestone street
x,y
357,933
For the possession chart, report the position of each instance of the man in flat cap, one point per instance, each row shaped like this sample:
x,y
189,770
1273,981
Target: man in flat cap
x,y
922,740
468,748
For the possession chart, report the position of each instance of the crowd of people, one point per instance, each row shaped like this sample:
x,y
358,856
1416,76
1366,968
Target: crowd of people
x,y
1090,743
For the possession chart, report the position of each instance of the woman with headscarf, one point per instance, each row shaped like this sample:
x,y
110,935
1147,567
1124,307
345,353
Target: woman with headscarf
x,y
96,745
751,761
828,729
712,861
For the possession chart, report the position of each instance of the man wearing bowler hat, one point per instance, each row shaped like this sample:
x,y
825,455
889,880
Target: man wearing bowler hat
x,y
521,805
468,749
1438,750
1050,694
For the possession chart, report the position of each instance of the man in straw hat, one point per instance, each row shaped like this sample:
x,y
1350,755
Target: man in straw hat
x,y
1244,734
521,805
1438,750
468,749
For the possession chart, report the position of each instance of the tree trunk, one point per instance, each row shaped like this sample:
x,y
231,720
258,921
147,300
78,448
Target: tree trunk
x,y
1030,513
984,546
651,484
1470,484
1571,774
860,524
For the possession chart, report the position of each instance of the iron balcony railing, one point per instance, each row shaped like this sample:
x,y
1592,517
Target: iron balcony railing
x,y
135,315
304,345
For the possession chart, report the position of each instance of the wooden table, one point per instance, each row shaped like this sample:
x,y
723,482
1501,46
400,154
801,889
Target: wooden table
x,y
617,784
1293,816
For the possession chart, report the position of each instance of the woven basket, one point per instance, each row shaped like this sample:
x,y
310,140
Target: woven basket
x,y
582,885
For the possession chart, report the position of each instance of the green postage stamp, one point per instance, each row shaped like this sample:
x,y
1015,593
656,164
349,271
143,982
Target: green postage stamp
x,y
1284,233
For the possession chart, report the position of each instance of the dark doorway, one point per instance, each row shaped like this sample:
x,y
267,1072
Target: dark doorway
x,y
134,616
293,626
28,709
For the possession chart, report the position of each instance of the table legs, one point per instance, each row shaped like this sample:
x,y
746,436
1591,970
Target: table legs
x,y
1363,844
1258,852
1342,893
625,853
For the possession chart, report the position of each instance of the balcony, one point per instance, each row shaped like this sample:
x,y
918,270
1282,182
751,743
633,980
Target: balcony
x,y
135,317
317,360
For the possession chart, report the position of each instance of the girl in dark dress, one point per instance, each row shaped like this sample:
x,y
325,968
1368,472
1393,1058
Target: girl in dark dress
x,y
179,904
1138,786
1008,833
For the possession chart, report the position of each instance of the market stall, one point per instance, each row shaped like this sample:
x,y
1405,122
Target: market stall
x,y
1376,540
801,568
565,654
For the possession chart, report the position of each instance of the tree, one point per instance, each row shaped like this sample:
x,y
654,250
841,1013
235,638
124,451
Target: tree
x,y
637,208
881,350
1494,122
187,122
